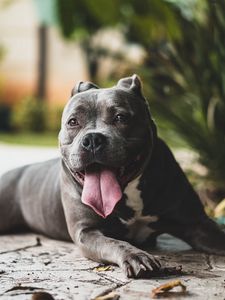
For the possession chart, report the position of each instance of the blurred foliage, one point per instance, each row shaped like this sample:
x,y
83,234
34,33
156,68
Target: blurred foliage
x,y
188,86
142,21
29,115
184,70
138,21
33,115
30,138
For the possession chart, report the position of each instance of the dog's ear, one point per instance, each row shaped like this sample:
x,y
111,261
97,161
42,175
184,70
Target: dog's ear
x,y
132,83
82,87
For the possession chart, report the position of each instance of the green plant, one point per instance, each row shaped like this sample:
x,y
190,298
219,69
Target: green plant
x,y
187,79
140,21
29,115
53,121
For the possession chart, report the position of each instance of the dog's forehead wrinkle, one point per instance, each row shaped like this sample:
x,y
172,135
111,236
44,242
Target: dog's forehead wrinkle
x,y
99,100
80,104
111,101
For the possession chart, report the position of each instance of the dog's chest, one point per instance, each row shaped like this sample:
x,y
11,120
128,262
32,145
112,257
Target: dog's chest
x,y
139,225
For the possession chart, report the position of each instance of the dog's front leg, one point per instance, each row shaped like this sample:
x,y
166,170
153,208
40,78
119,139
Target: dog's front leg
x,y
86,230
96,246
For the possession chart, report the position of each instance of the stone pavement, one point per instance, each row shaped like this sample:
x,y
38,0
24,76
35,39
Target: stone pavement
x,y
27,267
57,267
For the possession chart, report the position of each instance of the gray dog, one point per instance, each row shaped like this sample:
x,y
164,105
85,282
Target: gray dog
x,y
116,186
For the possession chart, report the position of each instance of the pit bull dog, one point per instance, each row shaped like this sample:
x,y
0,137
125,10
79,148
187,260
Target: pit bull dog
x,y
115,188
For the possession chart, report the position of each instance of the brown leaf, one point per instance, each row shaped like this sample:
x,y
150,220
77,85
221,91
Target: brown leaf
x,y
42,296
167,287
109,296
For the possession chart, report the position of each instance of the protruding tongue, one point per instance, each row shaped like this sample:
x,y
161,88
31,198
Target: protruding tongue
x,y
101,191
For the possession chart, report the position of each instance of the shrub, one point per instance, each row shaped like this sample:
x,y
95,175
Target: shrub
x,y
29,115
187,87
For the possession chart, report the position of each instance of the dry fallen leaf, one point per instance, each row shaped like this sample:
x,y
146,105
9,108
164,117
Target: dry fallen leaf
x,y
42,296
167,287
103,268
109,296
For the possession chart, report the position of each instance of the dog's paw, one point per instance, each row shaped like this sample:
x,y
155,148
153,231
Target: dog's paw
x,y
136,264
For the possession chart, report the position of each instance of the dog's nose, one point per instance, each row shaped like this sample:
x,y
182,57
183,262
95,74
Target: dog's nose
x,y
93,142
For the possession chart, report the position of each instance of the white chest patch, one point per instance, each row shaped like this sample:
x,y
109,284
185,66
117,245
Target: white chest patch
x,y
139,226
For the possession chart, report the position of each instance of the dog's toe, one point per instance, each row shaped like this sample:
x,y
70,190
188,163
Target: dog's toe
x,y
136,264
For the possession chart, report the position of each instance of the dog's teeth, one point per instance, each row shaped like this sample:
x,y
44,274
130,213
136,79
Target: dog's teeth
x,y
79,175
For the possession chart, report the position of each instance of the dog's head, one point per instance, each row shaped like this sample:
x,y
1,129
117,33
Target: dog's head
x,y
106,139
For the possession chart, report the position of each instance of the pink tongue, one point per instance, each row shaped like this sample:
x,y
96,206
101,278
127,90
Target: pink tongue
x,y
101,191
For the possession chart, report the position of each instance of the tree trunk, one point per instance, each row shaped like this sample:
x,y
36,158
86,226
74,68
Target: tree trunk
x,y
42,61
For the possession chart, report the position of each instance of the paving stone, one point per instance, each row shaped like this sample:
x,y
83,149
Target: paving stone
x,y
58,268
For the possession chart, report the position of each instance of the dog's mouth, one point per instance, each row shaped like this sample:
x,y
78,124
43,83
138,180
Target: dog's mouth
x,y
103,185
124,174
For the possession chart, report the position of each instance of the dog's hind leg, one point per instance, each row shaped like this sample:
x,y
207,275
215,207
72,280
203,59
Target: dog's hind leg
x,y
11,217
203,235
206,236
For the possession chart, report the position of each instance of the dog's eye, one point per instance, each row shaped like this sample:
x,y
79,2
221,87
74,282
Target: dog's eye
x,y
121,118
73,122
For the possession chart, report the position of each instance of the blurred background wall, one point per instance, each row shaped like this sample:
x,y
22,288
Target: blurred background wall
x,y
20,26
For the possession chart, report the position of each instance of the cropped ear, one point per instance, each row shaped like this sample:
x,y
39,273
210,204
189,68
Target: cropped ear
x,y
132,83
82,87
